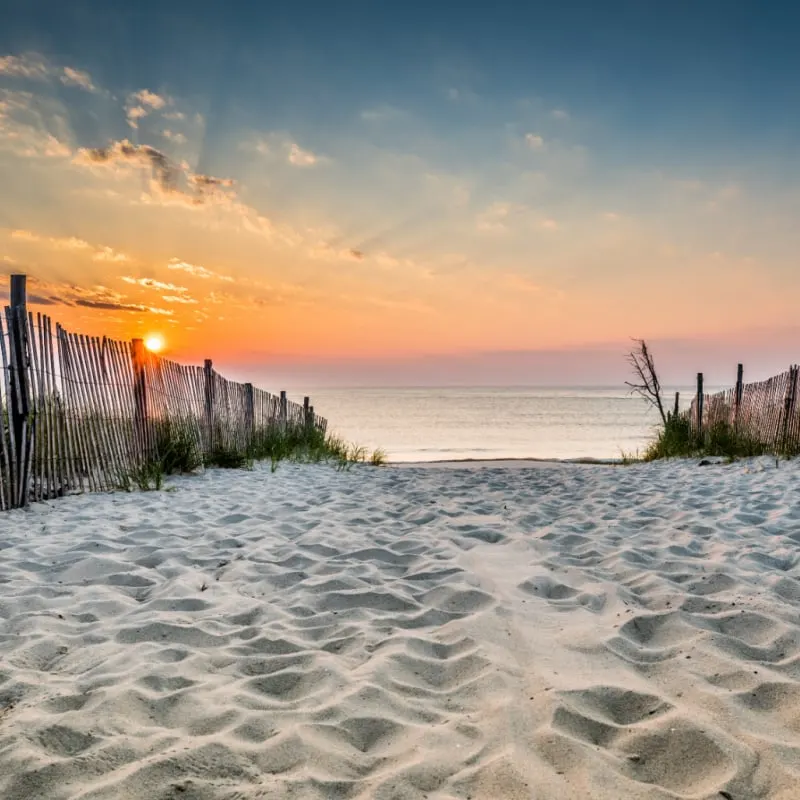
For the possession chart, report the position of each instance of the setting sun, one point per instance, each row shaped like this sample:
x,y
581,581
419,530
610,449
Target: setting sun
x,y
154,343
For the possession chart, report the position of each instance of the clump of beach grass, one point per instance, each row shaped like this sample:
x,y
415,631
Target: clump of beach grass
x,y
677,437
178,451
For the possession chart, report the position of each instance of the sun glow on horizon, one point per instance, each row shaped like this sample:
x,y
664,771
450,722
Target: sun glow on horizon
x,y
154,343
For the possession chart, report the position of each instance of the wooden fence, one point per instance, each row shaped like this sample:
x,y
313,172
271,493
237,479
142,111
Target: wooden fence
x,y
81,412
766,412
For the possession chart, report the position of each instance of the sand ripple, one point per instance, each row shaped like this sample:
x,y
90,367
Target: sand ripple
x,y
479,632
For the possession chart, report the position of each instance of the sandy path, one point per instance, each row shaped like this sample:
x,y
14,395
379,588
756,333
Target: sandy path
x,y
547,631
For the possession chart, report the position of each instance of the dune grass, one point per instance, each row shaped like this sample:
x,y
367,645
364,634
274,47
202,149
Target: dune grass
x,y
178,451
677,439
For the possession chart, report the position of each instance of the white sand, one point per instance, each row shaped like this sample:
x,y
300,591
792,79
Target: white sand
x,y
483,632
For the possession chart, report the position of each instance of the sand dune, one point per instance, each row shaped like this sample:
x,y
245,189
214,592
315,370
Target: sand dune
x,y
474,631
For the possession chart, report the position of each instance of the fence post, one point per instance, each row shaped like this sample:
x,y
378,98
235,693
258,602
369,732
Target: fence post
x,y
737,399
699,405
676,410
19,390
140,436
284,411
249,412
306,417
788,406
208,371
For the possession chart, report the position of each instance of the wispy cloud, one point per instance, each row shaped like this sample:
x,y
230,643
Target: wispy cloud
x,y
177,294
27,66
96,297
32,66
32,126
197,271
173,136
79,78
560,114
152,283
142,103
109,255
300,157
69,243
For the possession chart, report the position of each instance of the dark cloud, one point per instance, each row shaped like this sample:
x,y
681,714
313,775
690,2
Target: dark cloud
x,y
109,305
44,300
164,171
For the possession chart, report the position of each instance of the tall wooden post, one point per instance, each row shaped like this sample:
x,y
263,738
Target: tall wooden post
x,y
249,412
788,406
311,419
140,426
284,411
699,404
677,408
20,422
306,417
737,397
208,370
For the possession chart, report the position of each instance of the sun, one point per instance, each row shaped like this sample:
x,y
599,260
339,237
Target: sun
x,y
154,343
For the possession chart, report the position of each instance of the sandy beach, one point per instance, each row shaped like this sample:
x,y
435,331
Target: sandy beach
x,y
474,631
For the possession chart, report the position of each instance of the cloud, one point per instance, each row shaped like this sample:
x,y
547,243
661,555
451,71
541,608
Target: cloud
x,y
170,182
534,141
123,152
32,126
101,253
109,255
142,103
59,243
151,99
28,66
151,283
278,145
210,182
96,297
560,114
79,78
32,66
179,294
300,157
197,271
176,115
25,236
178,138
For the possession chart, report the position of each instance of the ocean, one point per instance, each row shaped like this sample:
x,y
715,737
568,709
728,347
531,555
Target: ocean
x,y
485,423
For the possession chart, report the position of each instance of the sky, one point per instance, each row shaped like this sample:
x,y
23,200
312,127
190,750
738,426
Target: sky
x,y
405,193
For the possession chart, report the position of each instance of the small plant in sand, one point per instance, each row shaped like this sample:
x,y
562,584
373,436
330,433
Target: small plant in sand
x,y
378,457
148,476
627,458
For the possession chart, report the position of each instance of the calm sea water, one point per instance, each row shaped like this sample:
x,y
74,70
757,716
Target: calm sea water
x,y
434,424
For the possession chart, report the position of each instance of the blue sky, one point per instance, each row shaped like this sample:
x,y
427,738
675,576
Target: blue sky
x,y
435,179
